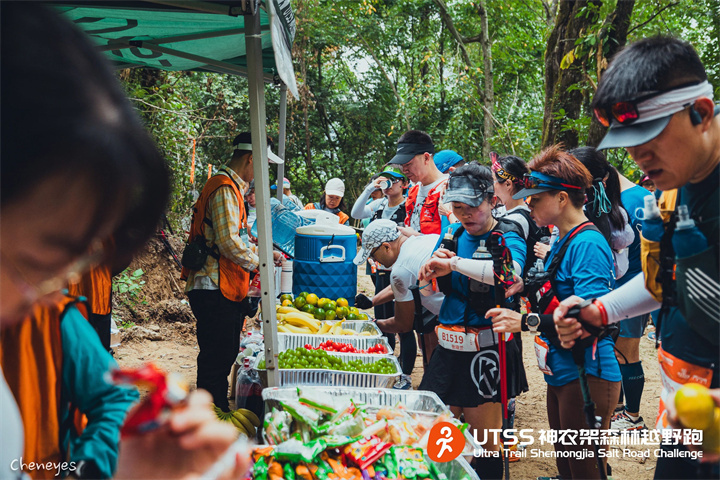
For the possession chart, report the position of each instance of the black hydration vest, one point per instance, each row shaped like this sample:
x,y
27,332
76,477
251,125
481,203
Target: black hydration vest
x,y
397,217
535,234
479,298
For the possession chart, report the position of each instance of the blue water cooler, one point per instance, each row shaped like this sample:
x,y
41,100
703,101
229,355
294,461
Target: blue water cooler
x,y
323,262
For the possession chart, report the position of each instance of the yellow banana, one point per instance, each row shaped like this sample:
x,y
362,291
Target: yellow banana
x,y
348,331
326,326
302,321
249,427
283,328
287,310
294,329
239,425
366,334
250,415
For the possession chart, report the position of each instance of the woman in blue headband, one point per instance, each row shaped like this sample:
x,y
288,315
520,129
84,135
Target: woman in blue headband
x,y
579,261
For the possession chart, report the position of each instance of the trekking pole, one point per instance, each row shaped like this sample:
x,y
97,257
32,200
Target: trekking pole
x,y
418,321
169,248
593,421
502,266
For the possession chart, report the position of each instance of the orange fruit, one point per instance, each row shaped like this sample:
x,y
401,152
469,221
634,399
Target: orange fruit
x,y
342,312
695,407
342,302
322,303
300,302
286,303
330,315
312,299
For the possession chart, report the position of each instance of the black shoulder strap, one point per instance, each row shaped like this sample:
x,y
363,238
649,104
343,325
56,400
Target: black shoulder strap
x,y
506,225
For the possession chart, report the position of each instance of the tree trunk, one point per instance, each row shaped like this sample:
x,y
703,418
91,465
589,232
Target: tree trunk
x,y
489,98
617,31
562,105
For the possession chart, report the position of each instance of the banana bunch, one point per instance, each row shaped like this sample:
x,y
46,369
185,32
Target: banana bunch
x,y
292,320
243,419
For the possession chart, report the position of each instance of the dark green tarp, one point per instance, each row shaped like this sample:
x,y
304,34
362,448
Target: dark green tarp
x,y
179,36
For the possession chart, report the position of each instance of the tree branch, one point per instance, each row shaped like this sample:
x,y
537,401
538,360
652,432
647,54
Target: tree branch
x,y
382,69
653,16
458,38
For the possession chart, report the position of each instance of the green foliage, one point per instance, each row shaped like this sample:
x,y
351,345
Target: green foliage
x,y
128,283
125,324
368,69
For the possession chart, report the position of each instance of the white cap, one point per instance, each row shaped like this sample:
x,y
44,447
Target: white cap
x,y
335,186
272,158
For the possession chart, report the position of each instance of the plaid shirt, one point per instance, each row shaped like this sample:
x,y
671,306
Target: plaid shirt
x,y
223,210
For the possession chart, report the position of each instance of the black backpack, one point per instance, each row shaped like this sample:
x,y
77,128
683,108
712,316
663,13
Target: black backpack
x,y
535,234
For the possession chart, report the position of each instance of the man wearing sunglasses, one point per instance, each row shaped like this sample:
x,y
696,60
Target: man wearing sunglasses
x,y
659,106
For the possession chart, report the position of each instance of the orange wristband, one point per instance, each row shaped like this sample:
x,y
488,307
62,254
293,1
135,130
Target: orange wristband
x,y
603,312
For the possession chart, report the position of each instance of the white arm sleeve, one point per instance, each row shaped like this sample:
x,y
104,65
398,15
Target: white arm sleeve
x,y
630,300
480,270
360,210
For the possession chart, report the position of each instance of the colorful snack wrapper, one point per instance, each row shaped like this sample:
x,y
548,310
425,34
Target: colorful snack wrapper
x,y
321,403
366,451
295,451
411,462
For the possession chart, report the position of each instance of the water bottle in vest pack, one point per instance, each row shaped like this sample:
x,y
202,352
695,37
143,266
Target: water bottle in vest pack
x,y
652,223
688,239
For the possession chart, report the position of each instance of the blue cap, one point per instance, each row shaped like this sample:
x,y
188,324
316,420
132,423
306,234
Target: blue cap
x,y
445,159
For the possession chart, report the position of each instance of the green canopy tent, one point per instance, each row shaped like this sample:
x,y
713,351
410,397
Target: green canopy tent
x,y
235,37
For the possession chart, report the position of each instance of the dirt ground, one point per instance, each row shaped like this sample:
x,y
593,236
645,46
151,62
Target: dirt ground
x,y
162,309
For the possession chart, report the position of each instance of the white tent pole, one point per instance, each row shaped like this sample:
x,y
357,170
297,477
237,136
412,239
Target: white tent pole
x,y
281,140
256,88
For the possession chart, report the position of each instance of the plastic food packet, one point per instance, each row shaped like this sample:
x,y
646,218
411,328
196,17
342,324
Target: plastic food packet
x,y
321,403
167,391
375,428
411,462
402,433
289,473
275,471
436,474
301,413
260,469
335,441
350,425
366,451
295,451
277,426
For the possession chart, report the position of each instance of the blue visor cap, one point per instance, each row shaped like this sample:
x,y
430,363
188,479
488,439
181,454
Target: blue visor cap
x,y
445,159
536,182
466,190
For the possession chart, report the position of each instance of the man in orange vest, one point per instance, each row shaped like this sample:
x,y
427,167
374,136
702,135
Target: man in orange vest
x,y
218,290
415,151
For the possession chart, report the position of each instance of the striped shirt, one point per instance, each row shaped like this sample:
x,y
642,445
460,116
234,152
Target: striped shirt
x,y
231,239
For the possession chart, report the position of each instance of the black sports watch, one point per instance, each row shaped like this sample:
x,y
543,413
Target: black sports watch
x,y
532,321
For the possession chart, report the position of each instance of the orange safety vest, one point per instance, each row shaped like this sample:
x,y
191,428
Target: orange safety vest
x,y
343,216
233,280
32,355
430,218
96,286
